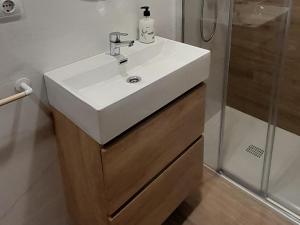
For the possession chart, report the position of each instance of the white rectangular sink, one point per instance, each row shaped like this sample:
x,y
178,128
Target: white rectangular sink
x,y
95,95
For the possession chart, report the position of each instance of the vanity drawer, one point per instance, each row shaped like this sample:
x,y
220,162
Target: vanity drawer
x,y
133,159
156,202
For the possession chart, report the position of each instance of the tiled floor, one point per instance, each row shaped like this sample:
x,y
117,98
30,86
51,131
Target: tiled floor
x,y
222,203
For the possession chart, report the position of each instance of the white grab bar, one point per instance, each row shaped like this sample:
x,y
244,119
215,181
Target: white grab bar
x,y
22,85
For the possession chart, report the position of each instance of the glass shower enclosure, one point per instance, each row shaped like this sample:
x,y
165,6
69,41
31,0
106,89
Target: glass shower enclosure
x,y
261,144
206,24
253,99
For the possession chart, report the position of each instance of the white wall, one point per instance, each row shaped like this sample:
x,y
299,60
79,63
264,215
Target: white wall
x,y
51,33
219,46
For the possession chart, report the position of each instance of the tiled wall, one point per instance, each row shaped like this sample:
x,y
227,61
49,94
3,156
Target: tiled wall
x,y
289,84
51,34
255,56
218,45
255,62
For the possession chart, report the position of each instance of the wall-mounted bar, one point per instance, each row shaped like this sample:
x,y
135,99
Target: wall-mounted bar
x,y
22,85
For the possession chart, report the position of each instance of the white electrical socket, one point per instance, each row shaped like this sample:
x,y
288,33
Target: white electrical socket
x,y
10,8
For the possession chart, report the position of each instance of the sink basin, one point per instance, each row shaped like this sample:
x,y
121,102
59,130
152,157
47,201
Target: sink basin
x,y
95,93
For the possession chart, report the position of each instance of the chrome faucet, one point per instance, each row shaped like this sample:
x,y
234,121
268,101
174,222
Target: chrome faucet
x,y
116,44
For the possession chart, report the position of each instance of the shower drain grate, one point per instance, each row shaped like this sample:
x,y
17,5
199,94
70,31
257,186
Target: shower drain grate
x,y
256,151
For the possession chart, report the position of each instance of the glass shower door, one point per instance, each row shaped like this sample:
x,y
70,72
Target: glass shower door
x,y
261,141
284,182
257,43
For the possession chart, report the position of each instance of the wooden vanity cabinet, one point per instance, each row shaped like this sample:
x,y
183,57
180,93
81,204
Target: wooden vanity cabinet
x,y
140,177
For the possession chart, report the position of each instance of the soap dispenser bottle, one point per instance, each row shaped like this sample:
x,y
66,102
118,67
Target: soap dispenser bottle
x,y
146,27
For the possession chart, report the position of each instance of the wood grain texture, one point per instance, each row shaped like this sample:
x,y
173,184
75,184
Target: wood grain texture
x,y
255,54
80,162
147,151
135,158
254,62
289,84
154,204
222,203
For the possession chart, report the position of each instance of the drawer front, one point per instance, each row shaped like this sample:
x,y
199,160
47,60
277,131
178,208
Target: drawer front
x,y
133,159
155,203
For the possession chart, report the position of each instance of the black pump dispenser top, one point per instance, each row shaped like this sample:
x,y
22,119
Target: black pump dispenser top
x,y
147,11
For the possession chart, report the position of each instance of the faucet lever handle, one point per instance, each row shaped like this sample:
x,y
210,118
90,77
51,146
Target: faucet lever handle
x,y
115,36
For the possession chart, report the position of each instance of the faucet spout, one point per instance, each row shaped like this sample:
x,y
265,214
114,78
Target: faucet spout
x,y
124,44
131,43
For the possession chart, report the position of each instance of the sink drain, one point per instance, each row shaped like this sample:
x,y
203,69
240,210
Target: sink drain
x,y
134,79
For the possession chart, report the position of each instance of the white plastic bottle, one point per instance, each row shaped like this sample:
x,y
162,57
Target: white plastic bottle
x,y
146,27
